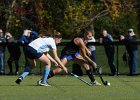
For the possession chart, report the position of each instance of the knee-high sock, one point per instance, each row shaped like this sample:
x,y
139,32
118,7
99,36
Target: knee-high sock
x,y
26,72
45,75
51,74
90,75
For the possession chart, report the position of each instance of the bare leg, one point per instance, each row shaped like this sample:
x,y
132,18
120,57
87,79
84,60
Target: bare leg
x,y
58,70
82,62
44,59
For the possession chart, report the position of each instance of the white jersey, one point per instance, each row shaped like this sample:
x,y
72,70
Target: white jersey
x,y
92,47
42,45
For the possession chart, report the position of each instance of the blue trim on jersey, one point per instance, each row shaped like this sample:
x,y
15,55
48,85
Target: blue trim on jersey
x,y
69,57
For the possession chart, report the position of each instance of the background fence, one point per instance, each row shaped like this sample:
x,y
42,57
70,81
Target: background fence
x,y
101,59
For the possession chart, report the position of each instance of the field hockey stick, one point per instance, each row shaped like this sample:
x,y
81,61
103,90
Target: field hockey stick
x,y
76,76
104,82
99,71
81,79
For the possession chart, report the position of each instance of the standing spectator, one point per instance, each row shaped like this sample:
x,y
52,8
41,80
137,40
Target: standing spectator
x,y
132,49
34,35
2,53
15,53
26,38
92,48
109,50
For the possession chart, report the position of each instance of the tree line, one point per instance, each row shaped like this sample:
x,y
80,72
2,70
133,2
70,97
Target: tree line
x,y
70,16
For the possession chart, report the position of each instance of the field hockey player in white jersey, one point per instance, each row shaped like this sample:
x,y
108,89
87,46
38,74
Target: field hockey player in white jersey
x,y
38,50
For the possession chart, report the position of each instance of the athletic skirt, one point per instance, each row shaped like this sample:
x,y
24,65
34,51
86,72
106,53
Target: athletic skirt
x,y
32,53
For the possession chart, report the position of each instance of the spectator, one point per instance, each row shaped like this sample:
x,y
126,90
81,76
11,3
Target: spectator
x,y
2,53
109,50
132,49
15,53
26,38
34,35
92,49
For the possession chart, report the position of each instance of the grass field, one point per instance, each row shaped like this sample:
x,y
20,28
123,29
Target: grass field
x,y
122,87
70,88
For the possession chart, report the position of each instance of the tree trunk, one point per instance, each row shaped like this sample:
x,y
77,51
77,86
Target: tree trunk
x,y
92,27
10,14
138,11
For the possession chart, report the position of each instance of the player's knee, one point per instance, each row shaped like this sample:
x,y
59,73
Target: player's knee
x,y
86,66
58,70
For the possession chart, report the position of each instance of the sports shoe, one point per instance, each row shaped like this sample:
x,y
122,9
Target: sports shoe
x,y
39,82
19,80
44,84
95,83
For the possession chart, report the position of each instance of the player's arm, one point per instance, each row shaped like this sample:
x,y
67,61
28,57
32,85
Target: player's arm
x,y
88,52
83,48
56,64
56,58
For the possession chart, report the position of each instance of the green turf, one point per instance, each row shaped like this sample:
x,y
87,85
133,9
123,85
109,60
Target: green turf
x,y
70,88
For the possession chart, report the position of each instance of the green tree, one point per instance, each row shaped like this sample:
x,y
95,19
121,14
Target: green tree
x,y
69,16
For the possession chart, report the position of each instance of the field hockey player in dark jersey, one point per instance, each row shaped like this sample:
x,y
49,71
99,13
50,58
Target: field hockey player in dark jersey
x,y
77,50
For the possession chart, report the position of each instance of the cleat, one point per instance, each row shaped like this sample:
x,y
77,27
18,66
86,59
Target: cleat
x,y
44,84
95,83
19,80
39,82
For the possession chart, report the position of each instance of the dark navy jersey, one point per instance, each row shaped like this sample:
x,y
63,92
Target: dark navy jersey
x,y
71,48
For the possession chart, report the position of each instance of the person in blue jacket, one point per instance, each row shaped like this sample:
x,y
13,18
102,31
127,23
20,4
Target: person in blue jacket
x,y
26,38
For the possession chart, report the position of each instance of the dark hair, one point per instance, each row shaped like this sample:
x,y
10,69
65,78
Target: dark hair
x,y
130,31
86,31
